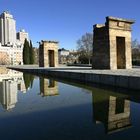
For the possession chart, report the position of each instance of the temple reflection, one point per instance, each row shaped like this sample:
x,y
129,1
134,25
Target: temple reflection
x,y
112,111
119,114
48,87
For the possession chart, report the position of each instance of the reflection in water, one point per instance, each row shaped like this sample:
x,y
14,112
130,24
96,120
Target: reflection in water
x,y
113,112
111,109
10,82
28,80
8,94
48,87
118,120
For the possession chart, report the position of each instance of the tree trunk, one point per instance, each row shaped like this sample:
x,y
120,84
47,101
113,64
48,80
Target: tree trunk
x,y
89,60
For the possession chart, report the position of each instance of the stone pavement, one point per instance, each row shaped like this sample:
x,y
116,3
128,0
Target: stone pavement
x,y
135,71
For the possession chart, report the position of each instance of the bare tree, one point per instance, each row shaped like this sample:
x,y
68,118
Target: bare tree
x,y
135,44
136,52
85,45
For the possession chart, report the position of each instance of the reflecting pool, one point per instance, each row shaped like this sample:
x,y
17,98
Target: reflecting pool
x,y
34,107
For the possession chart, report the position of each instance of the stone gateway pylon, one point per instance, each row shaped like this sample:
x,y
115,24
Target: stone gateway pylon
x,y
48,54
112,44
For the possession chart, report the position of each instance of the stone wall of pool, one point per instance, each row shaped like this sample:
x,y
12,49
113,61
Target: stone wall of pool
x,y
129,79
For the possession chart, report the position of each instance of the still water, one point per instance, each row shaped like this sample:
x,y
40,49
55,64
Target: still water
x,y
34,107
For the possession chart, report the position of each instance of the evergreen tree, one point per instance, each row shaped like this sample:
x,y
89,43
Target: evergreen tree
x,y
26,52
32,80
28,80
32,55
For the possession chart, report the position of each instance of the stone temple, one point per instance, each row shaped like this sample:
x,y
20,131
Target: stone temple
x,y
48,54
112,44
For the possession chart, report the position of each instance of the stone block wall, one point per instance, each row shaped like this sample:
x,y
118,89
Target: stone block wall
x,y
100,47
45,58
48,87
107,52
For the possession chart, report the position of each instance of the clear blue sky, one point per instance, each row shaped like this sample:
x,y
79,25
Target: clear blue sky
x,y
67,20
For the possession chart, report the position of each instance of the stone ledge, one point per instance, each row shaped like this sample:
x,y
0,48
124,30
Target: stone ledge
x,y
110,78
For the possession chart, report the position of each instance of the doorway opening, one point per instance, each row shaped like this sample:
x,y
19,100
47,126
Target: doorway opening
x,y
121,59
51,83
51,58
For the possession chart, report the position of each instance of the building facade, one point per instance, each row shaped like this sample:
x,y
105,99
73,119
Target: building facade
x,y
67,56
7,29
11,55
22,35
11,48
36,55
63,56
63,52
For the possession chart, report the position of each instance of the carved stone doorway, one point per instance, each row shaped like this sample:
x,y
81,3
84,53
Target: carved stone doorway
x,y
121,59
